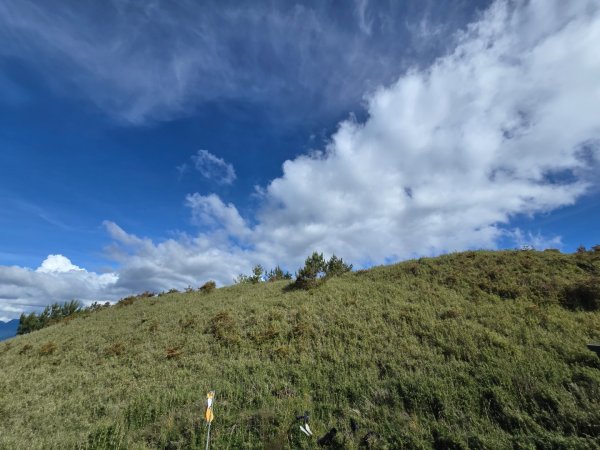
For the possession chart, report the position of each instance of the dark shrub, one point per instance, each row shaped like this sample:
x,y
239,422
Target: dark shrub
x,y
584,294
48,348
25,349
116,349
28,323
208,287
173,352
450,314
146,294
313,270
126,301
224,328
50,315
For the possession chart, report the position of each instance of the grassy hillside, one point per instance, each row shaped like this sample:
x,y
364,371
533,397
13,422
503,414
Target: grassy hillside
x,y
471,350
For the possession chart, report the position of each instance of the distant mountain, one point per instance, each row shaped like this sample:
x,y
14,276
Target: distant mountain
x,y
8,329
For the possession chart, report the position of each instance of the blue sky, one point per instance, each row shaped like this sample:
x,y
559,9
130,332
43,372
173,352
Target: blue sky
x,y
157,145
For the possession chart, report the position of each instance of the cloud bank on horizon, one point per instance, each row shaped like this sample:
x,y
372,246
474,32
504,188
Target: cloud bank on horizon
x,y
505,124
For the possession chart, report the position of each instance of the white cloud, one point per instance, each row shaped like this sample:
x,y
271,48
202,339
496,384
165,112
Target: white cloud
x,y
57,264
213,167
450,154
446,158
177,263
536,241
209,210
472,139
365,25
57,279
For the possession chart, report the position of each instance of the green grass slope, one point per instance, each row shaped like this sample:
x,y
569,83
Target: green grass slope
x,y
470,350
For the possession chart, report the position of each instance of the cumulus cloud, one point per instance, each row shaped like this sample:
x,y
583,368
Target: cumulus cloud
x,y
450,154
57,279
446,158
503,126
57,264
176,263
209,210
473,139
213,168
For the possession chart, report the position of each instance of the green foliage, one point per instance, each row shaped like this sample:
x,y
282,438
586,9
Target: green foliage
x,y
471,350
317,269
257,273
277,274
28,323
255,278
336,266
51,314
313,270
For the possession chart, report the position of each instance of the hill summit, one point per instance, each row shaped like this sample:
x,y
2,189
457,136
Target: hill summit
x,y
479,350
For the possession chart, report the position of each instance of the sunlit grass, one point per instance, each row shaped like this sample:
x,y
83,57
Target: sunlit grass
x,y
470,350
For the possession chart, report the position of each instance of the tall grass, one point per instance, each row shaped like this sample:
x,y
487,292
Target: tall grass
x,y
470,350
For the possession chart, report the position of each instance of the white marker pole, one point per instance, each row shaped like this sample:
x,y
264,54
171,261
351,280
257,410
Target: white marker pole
x,y
208,436
208,414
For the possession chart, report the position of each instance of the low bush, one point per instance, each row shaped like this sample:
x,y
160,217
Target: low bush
x,y
584,294
224,328
208,287
127,301
115,349
25,349
48,348
173,352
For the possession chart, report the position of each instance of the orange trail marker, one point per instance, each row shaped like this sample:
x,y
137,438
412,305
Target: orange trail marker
x,y
208,413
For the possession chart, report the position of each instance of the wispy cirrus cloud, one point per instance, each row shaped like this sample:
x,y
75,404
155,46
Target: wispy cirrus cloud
x,y
153,61
213,168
